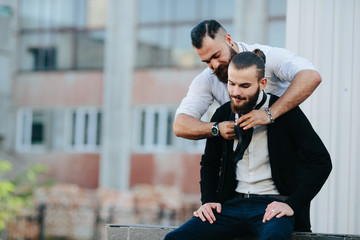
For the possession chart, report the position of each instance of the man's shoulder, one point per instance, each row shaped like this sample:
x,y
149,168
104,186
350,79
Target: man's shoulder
x,y
251,47
206,74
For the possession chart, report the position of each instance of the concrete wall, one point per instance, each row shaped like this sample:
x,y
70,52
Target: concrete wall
x,y
328,33
8,26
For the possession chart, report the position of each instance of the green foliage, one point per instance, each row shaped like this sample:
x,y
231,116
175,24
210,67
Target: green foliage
x,y
17,194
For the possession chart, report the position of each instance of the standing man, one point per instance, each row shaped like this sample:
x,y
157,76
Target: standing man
x,y
289,76
264,180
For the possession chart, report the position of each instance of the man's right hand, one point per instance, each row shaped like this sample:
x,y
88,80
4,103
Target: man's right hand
x,y
226,129
205,212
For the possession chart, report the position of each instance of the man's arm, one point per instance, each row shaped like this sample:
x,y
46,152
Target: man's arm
x,y
304,84
189,127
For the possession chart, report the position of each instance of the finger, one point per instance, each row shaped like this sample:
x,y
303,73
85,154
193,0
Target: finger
x,y
272,214
218,208
195,214
231,136
249,125
209,216
269,214
201,216
243,118
281,214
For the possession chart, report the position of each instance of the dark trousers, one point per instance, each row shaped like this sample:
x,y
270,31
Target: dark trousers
x,y
238,216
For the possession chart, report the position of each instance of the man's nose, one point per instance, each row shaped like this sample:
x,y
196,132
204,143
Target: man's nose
x,y
214,64
236,91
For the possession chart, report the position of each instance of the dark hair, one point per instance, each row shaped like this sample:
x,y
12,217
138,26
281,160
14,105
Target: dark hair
x,y
245,60
206,27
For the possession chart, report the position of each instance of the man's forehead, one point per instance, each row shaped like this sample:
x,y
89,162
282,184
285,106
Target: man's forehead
x,y
209,47
237,74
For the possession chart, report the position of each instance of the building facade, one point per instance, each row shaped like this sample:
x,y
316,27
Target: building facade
x,y
101,114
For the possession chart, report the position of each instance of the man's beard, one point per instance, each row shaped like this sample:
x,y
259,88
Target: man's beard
x,y
246,107
222,71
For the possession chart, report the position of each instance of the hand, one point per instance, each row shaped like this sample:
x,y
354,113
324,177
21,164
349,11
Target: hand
x,y
205,212
253,118
278,209
226,129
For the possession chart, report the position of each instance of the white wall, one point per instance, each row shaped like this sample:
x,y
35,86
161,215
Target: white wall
x,y
328,33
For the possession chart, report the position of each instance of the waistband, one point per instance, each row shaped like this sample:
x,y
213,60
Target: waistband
x,y
246,195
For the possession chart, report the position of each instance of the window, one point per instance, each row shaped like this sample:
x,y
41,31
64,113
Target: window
x,y
61,35
276,23
154,133
44,58
164,28
84,131
32,126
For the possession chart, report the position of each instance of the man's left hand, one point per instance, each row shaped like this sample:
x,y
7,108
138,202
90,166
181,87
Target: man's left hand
x,y
253,118
278,209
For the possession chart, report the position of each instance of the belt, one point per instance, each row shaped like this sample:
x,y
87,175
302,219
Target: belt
x,y
246,195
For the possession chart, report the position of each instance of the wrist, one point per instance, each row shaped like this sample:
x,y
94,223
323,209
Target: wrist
x,y
215,129
270,116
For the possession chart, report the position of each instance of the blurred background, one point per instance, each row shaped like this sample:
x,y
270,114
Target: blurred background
x,y
89,89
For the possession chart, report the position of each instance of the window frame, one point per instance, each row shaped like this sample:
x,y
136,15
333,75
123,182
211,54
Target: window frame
x,y
86,135
143,142
24,122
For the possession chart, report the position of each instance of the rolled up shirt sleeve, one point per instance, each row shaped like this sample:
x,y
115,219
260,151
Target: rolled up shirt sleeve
x,y
199,97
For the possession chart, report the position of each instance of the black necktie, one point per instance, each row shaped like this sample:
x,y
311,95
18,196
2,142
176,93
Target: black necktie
x,y
244,136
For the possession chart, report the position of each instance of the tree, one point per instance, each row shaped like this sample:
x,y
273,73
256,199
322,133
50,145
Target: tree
x,y
16,194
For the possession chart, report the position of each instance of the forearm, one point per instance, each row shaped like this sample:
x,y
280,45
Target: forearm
x,y
303,85
189,127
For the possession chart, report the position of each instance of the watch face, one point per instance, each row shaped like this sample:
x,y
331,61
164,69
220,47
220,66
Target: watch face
x,y
215,131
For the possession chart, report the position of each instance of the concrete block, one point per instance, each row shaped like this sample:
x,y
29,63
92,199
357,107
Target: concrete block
x,y
149,232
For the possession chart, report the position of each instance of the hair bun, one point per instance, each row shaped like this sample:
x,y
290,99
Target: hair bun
x,y
260,54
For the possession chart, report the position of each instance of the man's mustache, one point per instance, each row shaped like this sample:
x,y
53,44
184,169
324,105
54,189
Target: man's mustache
x,y
237,97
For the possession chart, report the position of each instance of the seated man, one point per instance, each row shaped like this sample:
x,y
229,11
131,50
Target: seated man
x,y
264,180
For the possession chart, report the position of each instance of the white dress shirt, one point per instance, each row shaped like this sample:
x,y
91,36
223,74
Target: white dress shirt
x,y
253,172
280,69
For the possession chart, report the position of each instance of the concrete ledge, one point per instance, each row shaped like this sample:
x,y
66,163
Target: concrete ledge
x,y
147,232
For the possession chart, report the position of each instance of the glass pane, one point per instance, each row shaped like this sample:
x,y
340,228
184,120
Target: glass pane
x,y
29,14
98,129
223,9
156,128
90,50
65,43
73,128
64,13
86,127
186,10
207,9
277,7
276,34
149,11
150,53
38,128
169,132
142,129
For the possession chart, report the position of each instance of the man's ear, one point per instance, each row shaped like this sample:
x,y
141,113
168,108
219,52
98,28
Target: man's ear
x,y
263,83
229,40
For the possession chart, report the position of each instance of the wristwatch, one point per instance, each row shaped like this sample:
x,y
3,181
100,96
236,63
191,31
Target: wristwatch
x,y
215,130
